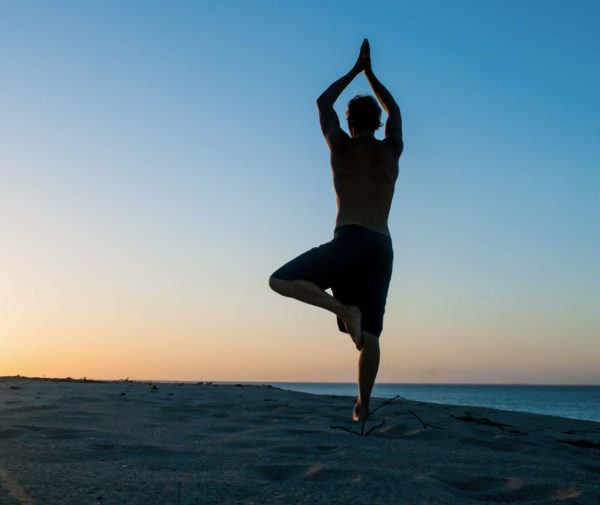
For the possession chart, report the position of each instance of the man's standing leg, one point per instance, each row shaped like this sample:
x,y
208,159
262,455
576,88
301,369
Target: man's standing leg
x,y
368,364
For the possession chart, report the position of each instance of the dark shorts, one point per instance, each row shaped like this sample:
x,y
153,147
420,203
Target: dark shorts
x,y
356,265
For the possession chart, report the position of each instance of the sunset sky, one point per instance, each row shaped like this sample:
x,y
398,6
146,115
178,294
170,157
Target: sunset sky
x,y
158,160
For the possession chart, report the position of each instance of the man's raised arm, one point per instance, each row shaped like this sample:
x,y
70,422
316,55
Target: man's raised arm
x,y
393,125
330,123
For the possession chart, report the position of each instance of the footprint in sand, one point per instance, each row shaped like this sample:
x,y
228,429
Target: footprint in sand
x,y
277,472
319,472
300,431
220,415
55,433
304,449
404,431
501,444
506,490
285,472
225,428
8,433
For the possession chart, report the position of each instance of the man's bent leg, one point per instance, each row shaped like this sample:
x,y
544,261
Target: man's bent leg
x,y
309,292
368,364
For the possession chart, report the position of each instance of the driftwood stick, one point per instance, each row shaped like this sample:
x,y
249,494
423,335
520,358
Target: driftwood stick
x,y
337,427
420,420
362,433
375,427
425,425
390,401
387,402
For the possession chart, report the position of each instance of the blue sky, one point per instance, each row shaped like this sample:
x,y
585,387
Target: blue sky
x,y
159,159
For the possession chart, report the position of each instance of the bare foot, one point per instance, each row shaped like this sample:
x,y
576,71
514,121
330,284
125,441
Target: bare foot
x,y
360,414
352,322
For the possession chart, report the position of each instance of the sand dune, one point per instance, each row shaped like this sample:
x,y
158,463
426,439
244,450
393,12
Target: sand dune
x,y
73,442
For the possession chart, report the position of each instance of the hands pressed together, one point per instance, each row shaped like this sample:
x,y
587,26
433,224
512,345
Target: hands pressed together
x,y
363,63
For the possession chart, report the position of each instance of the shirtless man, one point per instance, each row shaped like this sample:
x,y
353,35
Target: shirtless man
x,y
357,263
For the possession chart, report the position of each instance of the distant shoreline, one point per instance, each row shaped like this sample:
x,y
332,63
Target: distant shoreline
x,y
175,381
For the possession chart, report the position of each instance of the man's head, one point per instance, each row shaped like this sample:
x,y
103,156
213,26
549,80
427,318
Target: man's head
x,y
363,114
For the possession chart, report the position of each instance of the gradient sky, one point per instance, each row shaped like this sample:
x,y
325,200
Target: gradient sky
x,y
158,160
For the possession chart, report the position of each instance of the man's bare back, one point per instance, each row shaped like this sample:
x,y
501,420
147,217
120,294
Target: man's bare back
x,y
364,175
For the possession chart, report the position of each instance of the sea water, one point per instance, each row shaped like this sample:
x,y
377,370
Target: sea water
x,y
575,402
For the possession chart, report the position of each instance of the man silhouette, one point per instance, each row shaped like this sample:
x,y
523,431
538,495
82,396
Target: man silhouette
x,y
357,263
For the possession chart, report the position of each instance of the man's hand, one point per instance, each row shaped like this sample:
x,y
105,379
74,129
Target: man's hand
x,y
363,63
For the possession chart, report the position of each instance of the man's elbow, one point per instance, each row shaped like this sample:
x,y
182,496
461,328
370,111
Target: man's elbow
x,y
322,102
393,110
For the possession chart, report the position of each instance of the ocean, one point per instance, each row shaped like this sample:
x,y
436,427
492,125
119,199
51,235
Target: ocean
x,y
575,402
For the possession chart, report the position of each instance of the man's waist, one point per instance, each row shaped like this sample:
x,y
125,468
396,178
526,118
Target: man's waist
x,y
341,225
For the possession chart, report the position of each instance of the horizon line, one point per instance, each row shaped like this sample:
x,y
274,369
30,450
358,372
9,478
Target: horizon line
x,y
127,379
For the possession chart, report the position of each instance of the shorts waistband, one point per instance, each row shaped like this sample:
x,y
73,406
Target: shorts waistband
x,y
359,228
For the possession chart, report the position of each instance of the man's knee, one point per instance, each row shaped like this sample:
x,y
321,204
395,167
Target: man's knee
x,y
277,284
370,340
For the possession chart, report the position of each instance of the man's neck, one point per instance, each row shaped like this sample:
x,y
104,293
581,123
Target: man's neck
x,y
364,135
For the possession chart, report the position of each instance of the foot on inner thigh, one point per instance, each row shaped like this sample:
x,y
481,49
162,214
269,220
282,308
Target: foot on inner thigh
x,y
360,413
352,321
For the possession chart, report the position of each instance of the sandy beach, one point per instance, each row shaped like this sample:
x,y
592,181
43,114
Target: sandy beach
x,y
86,442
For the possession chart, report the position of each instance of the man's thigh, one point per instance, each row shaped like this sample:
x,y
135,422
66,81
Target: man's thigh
x,y
322,265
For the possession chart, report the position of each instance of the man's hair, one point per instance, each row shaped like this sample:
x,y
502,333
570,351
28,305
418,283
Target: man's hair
x,y
363,113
